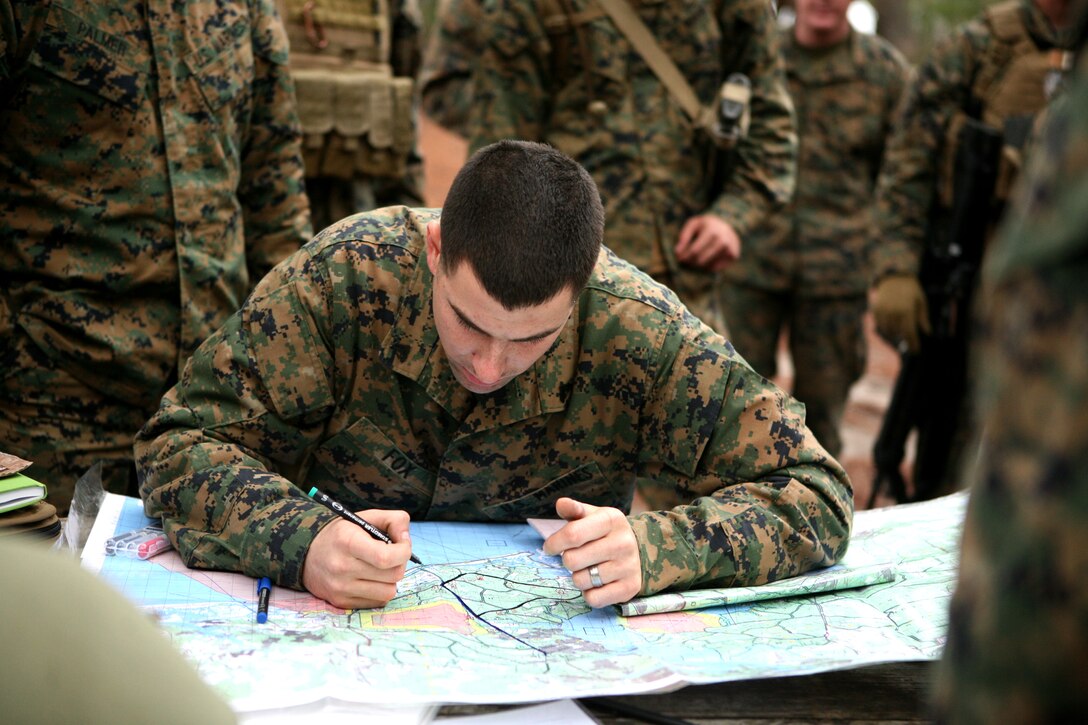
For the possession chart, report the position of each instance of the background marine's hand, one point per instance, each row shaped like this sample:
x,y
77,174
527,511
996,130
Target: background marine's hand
x,y
709,242
601,537
349,569
900,310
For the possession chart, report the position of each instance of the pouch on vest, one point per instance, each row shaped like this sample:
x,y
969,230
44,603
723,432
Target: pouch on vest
x,y
357,116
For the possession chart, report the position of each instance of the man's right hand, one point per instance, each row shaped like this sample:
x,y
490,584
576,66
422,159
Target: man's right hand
x,y
349,569
900,310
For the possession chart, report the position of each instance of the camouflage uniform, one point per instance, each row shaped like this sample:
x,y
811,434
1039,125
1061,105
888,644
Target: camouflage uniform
x,y
994,68
1018,628
353,62
653,168
332,375
445,77
805,269
149,174
918,154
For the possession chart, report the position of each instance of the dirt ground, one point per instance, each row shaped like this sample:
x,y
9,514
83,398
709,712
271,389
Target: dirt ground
x,y
443,154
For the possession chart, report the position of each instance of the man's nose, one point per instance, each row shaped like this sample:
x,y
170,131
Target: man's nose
x,y
489,363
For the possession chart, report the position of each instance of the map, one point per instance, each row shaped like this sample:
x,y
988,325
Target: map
x,y
489,618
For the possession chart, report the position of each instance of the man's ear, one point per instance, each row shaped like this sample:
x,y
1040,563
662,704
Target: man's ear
x,y
434,246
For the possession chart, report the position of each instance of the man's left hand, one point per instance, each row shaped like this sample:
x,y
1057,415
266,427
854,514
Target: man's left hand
x,y
708,242
598,539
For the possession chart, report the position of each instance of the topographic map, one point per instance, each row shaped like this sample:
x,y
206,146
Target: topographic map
x,y
490,618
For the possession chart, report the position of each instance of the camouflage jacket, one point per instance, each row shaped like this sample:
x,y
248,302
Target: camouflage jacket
x,y
619,121
150,173
918,152
845,98
445,76
332,375
1021,595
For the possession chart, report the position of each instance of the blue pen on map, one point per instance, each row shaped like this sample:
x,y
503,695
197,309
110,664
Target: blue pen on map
x,y
350,516
264,589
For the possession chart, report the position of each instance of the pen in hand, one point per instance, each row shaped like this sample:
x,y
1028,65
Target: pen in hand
x,y
350,516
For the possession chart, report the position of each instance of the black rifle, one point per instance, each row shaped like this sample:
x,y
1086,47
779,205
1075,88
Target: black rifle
x,y
929,394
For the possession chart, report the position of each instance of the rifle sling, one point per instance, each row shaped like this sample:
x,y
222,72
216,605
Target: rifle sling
x,y
627,20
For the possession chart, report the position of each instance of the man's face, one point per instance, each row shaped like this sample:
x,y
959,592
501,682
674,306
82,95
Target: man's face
x,y
822,16
488,345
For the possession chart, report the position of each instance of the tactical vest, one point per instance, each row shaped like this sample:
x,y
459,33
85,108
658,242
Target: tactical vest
x,y
1008,90
356,115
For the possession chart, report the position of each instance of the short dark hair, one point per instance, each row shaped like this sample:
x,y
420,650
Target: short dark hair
x,y
529,220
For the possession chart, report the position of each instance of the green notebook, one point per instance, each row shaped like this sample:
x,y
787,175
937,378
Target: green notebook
x,y
17,491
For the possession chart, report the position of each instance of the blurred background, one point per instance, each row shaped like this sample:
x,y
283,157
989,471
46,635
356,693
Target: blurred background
x,y
912,26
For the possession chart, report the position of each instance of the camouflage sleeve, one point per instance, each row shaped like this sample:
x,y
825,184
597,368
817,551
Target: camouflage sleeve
x,y
255,393
445,80
909,174
1021,595
274,206
511,77
768,502
763,166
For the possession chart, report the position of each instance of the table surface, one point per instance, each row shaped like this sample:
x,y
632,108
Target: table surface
x,y
894,692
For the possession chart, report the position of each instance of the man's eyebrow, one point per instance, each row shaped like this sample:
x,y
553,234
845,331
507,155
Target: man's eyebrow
x,y
472,325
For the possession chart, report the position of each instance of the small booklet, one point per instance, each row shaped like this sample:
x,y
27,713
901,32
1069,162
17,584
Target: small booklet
x,y
16,490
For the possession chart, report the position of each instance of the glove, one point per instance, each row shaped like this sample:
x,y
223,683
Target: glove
x,y
900,310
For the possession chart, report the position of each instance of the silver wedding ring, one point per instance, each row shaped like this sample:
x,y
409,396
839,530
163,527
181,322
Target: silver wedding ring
x,y
595,577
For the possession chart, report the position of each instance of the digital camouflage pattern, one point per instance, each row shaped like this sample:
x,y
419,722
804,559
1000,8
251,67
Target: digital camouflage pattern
x,y
445,77
1018,628
150,174
653,168
826,342
806,269
332,375
947,84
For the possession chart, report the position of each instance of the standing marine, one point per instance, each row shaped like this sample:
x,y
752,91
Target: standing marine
x,y
563,72
950,161
805,269
1017,646
150,175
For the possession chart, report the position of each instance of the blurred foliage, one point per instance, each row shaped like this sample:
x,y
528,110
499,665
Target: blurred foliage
x,y
934,19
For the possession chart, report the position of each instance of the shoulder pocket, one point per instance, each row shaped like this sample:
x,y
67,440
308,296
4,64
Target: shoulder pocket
x,y
288,352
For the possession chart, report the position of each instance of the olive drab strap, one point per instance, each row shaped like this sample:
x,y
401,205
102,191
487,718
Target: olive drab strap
x,y
357,116
733,96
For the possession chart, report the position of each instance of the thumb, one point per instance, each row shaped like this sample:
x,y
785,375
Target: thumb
x,y
572,510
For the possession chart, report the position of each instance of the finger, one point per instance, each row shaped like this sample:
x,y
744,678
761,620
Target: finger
x,y
377,559
392,523
711,252
583,578
584,525
362,594
613,593
687,233
571,509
